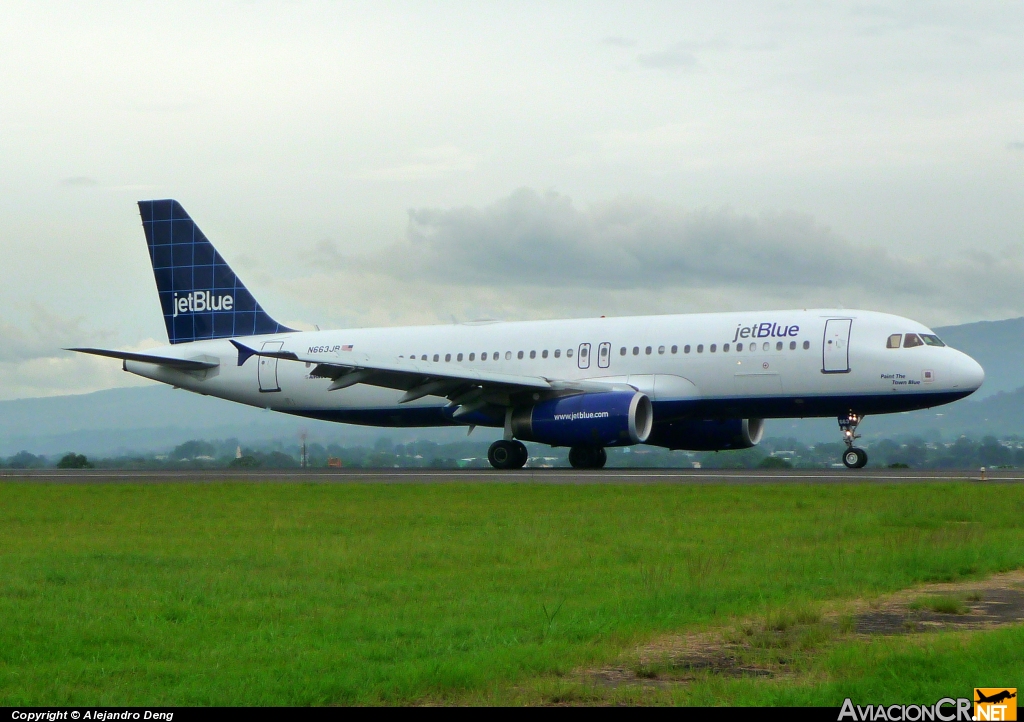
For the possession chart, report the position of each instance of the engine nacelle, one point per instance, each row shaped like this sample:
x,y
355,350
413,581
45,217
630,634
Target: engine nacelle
x,y
612,418
708,434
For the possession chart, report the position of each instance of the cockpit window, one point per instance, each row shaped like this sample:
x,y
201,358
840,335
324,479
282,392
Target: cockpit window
x,y
894,340
931,339
911,340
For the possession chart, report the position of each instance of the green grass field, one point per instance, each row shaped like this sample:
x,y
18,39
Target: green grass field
x,y
339,594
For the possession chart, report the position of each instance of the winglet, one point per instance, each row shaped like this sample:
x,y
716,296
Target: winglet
x,y
244,352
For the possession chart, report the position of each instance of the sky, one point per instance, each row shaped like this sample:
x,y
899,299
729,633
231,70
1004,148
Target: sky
x,y
379,164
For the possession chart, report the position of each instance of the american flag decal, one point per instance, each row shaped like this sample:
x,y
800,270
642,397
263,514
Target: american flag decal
x,y
347,347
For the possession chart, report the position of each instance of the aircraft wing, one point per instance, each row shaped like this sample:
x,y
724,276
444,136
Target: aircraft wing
x,y
471,389
174,363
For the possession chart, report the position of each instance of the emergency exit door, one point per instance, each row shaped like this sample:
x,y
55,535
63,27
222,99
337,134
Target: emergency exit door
x,y
835,353
583,356
268,368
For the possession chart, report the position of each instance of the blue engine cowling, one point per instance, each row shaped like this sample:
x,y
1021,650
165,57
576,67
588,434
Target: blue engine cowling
x,y
708,434
612,418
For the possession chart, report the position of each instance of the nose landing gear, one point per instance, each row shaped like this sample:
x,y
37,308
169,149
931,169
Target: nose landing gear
x,y
508,454
853,457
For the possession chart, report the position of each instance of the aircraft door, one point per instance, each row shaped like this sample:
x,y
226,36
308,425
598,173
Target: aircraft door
x,y
268,368
604,355
583,357
836,346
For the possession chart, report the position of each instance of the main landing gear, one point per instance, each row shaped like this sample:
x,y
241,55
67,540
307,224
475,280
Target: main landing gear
x,y
587,457
853,457
508,454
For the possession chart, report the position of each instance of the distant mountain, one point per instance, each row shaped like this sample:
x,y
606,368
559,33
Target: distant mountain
x,y
157,418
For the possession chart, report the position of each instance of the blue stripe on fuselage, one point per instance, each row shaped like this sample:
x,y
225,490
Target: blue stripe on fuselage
x,y
780,407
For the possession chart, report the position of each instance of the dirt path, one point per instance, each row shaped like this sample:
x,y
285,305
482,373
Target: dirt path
x,y
772,646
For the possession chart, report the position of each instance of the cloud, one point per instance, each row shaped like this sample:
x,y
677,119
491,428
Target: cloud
x,y
1016,145
544,239
425,164
80,181
33,362
537,254
618,41
43,336
673,59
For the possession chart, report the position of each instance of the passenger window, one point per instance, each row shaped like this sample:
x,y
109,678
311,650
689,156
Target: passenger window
x,y
931,339
472,357
894,340
700,348
753,347
622,351
807,345
661,349
675,349
911,340
725,348
533,354
519,355
778,346
764,346
713,348
483,356
558,352
423,357
636,350
544,353
568,353
508,355
436,358
494,355
448,357
459,357
648,351
739,347
686,348
792,345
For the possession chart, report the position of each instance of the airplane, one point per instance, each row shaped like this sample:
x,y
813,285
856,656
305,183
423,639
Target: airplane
x,y
700,381
995,698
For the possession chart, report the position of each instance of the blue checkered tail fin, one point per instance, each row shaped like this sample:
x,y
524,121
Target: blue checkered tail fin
x,y
201,297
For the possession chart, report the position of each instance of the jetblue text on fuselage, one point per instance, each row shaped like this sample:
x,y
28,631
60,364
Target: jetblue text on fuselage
x,y
197,301
765,330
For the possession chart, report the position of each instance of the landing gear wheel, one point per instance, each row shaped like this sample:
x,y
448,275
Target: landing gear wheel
x,y
855,458
508,454
503,455
587,457
523,454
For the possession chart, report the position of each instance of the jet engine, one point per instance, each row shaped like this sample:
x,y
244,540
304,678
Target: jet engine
x,y
611,418
708,434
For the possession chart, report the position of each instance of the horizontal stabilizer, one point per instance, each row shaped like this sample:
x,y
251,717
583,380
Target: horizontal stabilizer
x,y
174,363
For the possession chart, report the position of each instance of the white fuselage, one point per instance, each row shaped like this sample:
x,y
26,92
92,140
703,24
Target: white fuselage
x,y
792,364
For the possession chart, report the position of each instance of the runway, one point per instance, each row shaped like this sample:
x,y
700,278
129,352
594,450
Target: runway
x,y
490,476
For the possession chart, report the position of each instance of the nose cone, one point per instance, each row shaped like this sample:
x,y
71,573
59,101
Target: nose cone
x,y
968,375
